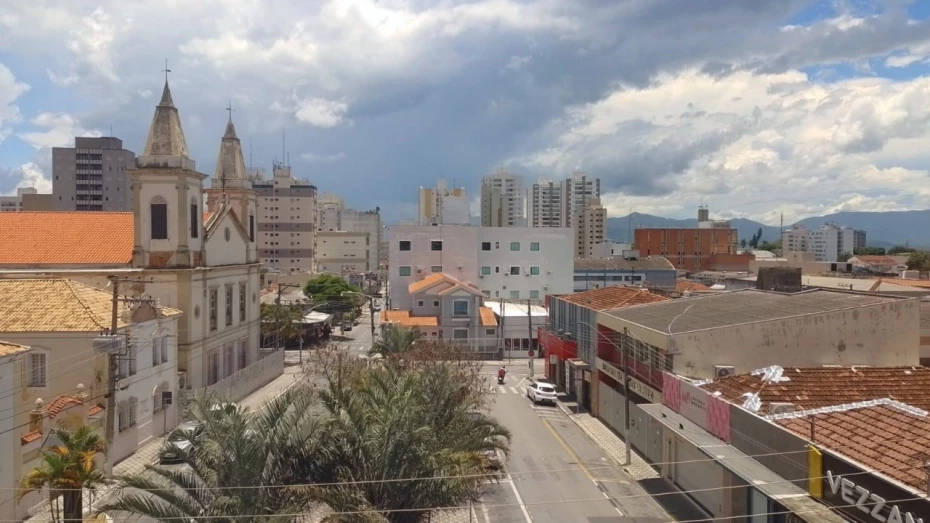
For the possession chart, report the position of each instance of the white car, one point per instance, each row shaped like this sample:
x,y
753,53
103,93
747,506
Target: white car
x,y
541,393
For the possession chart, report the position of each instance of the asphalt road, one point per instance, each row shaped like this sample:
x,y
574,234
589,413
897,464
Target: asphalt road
x,y
356,341
556,473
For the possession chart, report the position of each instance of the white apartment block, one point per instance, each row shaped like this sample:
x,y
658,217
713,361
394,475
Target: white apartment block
x,y
443,206
578,191
340,252
519,263
15,203
287,215
329,209
827,244
590,229
503,200
546,205
334,217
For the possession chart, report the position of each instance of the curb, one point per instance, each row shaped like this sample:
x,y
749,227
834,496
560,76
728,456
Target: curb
x,y
587,433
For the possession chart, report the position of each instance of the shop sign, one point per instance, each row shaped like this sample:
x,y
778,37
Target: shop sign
x,y
868,502
645,391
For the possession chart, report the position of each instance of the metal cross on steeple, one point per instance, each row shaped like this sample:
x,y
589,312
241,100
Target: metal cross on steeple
x,y
166,70
230,109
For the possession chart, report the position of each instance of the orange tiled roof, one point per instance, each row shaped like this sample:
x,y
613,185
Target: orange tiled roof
x,y
884,438
815,387
66,238
690,286
487,317
9,349
876,260
96,409
429,281
29,437
612,298
207,216
61,403
404,319
389,316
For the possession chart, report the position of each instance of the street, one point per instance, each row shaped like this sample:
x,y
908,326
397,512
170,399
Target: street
x,y
356,341
553,465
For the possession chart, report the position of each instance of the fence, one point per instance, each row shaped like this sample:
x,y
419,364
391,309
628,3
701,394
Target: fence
x,y
242,383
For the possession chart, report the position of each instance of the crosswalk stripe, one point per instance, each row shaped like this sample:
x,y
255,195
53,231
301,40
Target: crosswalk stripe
x,y
502,389
523,390
514,390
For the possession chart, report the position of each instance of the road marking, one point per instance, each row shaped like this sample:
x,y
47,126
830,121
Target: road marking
x,y
611,480
502,389
523,390
514,390
487,515
516,493
568,449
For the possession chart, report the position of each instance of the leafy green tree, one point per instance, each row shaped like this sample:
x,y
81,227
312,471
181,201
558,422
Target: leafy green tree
x,y
919,261
900,249
67,470
869,251
770,246
844,257
281,319
336,294
396,340
743,243
232,458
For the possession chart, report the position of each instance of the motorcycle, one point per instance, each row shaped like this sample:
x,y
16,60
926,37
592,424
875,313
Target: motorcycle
x,y
500,379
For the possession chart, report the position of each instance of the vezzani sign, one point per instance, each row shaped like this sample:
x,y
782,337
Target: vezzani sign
x,y
867,502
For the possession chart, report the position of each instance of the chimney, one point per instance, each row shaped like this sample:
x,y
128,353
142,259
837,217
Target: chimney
x,y
36,415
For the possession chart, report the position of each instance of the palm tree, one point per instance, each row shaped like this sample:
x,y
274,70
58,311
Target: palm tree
x,y
403,425
396,340
67,470
232,456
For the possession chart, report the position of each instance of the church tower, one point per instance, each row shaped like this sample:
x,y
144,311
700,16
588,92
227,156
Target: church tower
x,y
231,186
168,195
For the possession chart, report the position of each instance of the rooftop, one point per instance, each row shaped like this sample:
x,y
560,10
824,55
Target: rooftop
x,y
853,284
612,297
690,286
56,305
816,387
66,238
885,436
741,307
11,349
404,319
438,278
166,136
620,263
876,260
517,310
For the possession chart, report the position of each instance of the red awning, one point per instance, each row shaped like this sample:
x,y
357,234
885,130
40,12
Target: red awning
x,y
563,349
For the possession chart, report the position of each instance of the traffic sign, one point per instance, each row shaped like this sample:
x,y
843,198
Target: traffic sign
x,y
531,354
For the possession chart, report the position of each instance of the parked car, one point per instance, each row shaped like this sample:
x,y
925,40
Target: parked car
x,y
179,442
541,392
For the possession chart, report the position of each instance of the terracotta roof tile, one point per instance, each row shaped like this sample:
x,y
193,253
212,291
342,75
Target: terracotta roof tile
x,y
404,319
207,216
29,437
690,286
10,349
613,297
53,305
95,409
815,387
429,281
389,316
61,403
66,238
487,317
884,438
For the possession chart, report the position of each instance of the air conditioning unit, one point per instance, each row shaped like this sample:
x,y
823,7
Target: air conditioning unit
x,y
419,271
526,274
548,272
504,287
546,288
779,407
481,275
722,371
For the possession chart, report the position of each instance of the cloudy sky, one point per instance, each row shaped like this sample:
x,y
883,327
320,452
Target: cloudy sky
x,y
753,107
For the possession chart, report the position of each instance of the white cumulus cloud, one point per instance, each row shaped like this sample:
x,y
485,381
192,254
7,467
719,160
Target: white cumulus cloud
x,y
58,130
319,112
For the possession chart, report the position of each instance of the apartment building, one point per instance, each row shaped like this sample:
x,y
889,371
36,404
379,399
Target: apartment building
x,y
590,229
92,176
340,252
329,210
579,191
334,217
712,243
520,263
546,205
15,203
828,244
503,200
287,215
443,205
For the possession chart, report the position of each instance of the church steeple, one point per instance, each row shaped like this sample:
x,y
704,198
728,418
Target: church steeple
x,y
230,165
166,145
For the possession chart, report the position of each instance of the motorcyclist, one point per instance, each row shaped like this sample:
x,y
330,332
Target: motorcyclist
x,y
501,373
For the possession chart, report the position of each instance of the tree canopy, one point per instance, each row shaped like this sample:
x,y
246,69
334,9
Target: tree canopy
x,y
334,293
869,251
919,261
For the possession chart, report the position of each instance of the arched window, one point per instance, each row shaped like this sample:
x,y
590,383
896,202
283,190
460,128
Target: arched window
x,y
196,219
159,218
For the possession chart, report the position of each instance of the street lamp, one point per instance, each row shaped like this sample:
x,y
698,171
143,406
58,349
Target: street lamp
x,y
626,384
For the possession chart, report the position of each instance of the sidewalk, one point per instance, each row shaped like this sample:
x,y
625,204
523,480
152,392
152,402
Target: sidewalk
x,y
147,454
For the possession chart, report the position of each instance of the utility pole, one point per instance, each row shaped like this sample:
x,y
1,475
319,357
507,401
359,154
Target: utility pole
x,y
529,326
625,346
281,317
112,364
371,312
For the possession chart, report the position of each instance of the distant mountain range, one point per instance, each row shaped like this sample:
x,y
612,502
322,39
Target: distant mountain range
x,y
883,229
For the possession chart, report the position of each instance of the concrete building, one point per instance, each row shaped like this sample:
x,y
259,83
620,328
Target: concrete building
x,y
286,235
35,202
516,263
503,200
590,225
343,251
443,307
368,223
443,205
546,207
518,325
578,192
203,263
92,176
13,357
335,218
711,246
609,248
830,243
15,203
654,272
329,211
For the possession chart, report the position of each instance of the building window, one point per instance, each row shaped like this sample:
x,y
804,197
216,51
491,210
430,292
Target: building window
x,y
403,245
435,245
251,228
243,355
403,270
486,270
514,295
195,220
460,334
213,368
487,293
127,415
229,357
534,295
485,246
435,268
229,306
159,213
534,246
460,308
489,332
242,293
213,305
534,271
37,369
514,246
514,270
420,303
435,303
159,350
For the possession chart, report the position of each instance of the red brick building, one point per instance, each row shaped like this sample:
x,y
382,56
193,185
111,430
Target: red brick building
x,y
695,250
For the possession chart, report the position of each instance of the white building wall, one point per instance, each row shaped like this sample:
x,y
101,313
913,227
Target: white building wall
x,y
10,446
343,250
457,258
